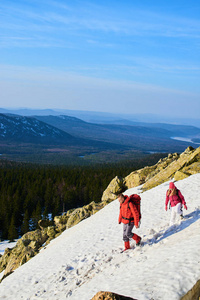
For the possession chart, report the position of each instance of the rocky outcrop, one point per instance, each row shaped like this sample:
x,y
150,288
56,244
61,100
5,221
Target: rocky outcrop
x,y
184,160
187,171
26,247
194,293
74,216
174,166
110,296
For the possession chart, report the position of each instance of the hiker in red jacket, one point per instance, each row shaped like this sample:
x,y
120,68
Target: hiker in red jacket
x,y
176,200
129,216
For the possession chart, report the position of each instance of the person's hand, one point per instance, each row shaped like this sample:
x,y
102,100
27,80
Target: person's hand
x,y
185,206
166,207
136,226
119,222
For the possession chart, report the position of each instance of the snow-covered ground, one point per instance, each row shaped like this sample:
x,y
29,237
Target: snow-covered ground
x,y
86,258
6,244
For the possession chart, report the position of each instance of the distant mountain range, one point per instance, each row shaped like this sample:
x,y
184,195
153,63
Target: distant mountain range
x,y
21,129
140,136
104,118
77,137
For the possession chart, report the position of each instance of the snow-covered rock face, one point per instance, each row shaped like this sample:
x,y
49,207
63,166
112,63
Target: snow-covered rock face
x,y
86,258
27,128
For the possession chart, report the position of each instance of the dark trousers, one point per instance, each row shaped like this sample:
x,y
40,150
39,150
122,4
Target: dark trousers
x,y
127,231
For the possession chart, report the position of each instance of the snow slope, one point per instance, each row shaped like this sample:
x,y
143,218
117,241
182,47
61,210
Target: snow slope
x,y
86,258
6,244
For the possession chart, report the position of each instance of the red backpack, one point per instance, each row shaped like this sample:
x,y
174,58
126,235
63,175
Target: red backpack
x,y
136,200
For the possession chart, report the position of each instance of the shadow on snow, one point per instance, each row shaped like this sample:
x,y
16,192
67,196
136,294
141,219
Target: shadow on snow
x,y
188,220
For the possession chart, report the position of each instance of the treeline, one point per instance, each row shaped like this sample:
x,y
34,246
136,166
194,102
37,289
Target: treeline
x,y
29,193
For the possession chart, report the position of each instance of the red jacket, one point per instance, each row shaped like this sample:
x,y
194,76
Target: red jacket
x,y
127,211
175,199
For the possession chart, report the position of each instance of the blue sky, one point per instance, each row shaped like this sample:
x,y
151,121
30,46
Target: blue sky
x,y
128,56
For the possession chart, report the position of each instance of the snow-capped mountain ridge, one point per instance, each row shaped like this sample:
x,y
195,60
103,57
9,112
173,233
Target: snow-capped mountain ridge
x,y
86,258
28,129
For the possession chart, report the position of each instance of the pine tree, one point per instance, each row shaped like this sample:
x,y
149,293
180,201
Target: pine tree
x,y
12,232
25,224
36,216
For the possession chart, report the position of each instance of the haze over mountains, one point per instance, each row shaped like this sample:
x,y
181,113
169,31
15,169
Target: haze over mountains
x,y
120,134
105,118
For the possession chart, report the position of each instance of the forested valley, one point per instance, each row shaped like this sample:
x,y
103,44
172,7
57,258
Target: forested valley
x,y
30,192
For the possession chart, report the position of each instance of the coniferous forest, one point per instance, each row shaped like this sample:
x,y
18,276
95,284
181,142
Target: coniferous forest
x,y
30,192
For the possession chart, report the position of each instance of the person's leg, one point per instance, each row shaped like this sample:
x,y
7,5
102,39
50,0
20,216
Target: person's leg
x,y
179,210
129,228
126,233
173,215
136,238
132,235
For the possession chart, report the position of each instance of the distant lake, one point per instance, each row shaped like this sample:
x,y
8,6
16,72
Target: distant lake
x,y
183,139
87,154
153,152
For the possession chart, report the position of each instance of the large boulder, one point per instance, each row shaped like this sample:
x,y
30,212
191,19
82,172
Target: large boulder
x,y
138,177
45,223
179,175
78,215
115,186
51,232
36,235
61,221
194,293
192,168
110,296
74,216
4,259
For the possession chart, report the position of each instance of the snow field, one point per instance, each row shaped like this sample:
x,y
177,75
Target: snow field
x,y
86,258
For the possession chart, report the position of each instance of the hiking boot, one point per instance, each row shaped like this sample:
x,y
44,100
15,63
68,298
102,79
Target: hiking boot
x,y
136,238
126,246
138,243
